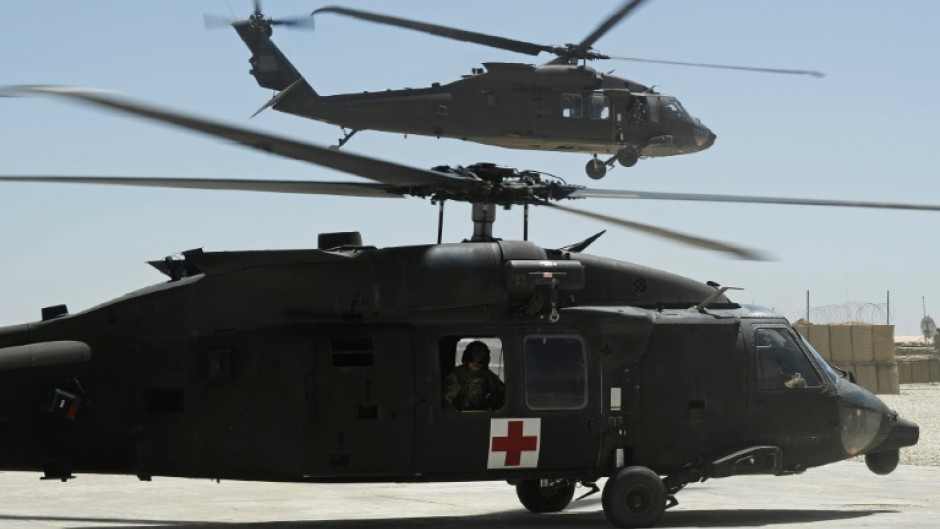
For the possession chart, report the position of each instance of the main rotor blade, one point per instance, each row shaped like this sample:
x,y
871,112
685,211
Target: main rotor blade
x,y
723,66
371,168
675,236
355,189
517,46
696,197
609,23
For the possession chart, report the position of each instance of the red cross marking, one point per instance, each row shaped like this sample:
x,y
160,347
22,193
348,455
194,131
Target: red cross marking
x,y
515,443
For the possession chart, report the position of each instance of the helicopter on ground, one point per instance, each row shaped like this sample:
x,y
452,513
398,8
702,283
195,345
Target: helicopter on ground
x,y
564,105
327,364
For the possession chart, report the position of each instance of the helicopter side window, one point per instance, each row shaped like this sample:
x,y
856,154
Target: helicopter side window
x,y
472,374
571,106
781,363
555,373
600,106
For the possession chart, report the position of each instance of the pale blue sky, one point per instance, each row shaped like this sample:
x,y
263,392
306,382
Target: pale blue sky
x,y
866,131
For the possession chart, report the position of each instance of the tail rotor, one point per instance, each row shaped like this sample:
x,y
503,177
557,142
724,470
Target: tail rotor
x,y
258,21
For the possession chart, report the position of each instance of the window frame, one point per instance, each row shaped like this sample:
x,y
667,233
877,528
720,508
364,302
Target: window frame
x,y
605,106
446,355
585,373
763,382
565,96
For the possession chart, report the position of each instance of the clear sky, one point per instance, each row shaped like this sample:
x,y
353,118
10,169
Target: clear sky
x,y
866,131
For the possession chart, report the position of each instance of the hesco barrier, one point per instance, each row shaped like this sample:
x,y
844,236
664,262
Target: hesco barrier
x,y
840,344
918,369
877,377
882,342
818,335
851,343
867,351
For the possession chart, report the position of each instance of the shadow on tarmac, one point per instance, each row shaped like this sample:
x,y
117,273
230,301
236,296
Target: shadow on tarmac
x,y
503,520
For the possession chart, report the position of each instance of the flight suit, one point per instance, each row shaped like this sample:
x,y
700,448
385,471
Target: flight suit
x,y
465,390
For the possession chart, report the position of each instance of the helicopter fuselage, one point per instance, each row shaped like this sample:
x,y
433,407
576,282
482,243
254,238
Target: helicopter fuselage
x,y
519,106
328,365
556,107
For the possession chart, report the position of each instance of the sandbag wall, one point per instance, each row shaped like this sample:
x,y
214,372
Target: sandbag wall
x,y
866,350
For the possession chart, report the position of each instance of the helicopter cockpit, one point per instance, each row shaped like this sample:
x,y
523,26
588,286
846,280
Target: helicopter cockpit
x,y
781,363
672,109
656,108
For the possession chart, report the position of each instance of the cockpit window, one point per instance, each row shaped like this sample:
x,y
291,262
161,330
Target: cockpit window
x,y
781,362
672,110
600,106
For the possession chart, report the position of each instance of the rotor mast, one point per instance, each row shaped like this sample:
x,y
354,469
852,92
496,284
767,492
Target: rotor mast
x,y
483,215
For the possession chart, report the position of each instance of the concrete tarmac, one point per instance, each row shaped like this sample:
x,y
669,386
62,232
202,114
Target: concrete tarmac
x,y
841,495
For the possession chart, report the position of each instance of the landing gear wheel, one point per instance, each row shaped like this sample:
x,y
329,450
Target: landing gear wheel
x,y
596,169
634,497
628,156
553,498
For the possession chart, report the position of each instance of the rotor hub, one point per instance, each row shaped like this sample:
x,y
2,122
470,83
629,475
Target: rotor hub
x,y
488,183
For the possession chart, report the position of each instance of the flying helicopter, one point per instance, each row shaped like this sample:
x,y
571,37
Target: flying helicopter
x,y
327,364
563,105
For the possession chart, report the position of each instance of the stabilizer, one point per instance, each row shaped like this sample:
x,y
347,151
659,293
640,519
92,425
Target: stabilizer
x,y
269,66
280,95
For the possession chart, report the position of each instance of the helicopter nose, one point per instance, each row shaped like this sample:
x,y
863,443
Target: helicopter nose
x,y
704,137
869,427
901,433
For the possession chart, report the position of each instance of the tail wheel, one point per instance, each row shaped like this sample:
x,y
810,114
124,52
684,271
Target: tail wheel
x,y
634,497
551,498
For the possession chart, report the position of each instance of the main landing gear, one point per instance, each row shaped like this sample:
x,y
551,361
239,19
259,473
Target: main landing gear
x,y
545,495
626,156
595,168
633,497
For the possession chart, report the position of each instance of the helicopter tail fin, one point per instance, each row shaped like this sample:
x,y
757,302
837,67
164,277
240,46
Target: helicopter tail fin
x,y
269,66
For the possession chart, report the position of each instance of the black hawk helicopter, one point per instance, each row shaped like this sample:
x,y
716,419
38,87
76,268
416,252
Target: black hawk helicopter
x,y
564,105
328,364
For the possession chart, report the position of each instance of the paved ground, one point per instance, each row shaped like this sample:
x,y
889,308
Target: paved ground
x,y
842,495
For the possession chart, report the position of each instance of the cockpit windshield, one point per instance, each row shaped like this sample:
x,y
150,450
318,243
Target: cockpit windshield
x,y
831,373
780,362
671,110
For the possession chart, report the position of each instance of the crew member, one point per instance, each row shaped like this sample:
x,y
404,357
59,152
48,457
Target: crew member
x,y
471,386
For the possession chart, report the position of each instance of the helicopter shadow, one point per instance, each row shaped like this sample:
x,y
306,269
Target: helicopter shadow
x,y
760,517
499,520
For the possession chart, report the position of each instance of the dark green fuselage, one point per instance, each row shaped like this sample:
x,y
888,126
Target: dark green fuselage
x,y
323,365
